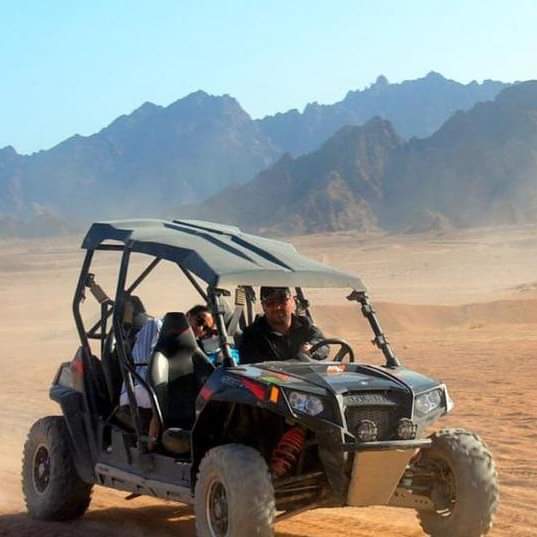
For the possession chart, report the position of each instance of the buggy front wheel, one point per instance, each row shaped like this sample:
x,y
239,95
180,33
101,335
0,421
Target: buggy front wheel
x,y
234,494
464,490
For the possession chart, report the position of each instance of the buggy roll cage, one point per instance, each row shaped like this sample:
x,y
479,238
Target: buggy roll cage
x,y
115,309
232,248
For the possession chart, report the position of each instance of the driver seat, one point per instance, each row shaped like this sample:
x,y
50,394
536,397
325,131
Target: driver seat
x,y
177,371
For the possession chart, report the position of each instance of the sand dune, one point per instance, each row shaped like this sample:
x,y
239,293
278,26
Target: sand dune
x,y
452,306
412,317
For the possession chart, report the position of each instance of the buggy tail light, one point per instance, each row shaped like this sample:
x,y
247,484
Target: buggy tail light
x,y
77,366
206,393
77,371
257,390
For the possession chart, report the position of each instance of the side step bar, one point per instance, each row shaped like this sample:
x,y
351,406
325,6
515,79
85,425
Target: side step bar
x,y
110,476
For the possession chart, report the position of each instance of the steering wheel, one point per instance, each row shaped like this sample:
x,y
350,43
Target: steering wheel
x,y
343,351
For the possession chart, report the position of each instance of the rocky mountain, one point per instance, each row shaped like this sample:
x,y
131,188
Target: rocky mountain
x,y
336,187
141,163
479,168
416,108
157,158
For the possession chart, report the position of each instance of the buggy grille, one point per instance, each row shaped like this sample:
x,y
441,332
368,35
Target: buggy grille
x,y
381,408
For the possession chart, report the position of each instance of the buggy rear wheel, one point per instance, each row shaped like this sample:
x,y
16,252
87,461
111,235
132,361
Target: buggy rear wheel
x,y
234,494
50,484
465,490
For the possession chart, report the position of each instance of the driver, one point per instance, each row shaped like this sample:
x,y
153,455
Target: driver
x,y
279,334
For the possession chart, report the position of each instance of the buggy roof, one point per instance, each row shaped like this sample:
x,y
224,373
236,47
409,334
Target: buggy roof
x,y
221,255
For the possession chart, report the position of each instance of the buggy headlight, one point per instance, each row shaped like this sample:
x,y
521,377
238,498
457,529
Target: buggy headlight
x,y
427,402
305,403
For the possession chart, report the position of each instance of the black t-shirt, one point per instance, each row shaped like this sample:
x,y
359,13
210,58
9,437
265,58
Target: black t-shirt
x,y
260,343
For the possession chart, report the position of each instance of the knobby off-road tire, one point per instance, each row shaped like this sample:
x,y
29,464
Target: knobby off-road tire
x,y
50,484
474,480
234,496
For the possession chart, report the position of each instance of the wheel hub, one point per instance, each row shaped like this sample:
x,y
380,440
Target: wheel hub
x,y
217,509
444,491
41,473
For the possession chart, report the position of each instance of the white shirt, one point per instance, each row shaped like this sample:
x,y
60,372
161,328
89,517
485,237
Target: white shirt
x,y
146,339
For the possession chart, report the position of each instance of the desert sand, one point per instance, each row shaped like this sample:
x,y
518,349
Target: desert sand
x,y
460,306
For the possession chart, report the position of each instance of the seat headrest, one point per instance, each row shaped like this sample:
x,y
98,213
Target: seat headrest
x,y
174,323
175,334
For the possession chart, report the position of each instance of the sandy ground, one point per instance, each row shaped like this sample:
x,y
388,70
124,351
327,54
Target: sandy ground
x,y
461,307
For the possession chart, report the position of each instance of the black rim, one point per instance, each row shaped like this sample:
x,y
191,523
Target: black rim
x,y
444,493
217,509
41,470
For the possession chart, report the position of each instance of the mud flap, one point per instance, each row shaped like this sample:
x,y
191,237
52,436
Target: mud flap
x,y
375,476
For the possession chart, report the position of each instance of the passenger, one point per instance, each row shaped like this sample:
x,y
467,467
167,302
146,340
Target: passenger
x,y
279,334
202,322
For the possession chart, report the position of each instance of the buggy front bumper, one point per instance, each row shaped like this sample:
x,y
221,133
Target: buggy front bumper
x,y
387,445
378,468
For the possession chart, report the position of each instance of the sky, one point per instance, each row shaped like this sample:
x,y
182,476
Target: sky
x,y
72,67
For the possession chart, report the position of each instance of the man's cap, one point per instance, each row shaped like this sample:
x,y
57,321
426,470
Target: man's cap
x,y
274,292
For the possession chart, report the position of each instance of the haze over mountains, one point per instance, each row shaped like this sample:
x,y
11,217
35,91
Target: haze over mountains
x,y
184,152
479,168
157,159
333,188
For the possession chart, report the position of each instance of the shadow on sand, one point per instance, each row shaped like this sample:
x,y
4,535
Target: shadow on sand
x,y
150,521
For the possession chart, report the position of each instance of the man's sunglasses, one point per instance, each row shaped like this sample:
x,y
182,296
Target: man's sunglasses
x,y
276,301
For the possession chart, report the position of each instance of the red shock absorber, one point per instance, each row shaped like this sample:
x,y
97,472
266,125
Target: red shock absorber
x,y
287,451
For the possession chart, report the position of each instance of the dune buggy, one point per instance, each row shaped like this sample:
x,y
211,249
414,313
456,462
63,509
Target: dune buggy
x,y
246,445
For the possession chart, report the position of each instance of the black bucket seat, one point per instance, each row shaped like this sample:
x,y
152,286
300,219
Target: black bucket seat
x,y
177,371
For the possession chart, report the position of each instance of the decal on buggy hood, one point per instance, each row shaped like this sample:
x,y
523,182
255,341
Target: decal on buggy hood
x,y
273,377
337,377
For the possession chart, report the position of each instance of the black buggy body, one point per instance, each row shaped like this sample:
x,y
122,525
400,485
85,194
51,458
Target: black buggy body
x,y
247,445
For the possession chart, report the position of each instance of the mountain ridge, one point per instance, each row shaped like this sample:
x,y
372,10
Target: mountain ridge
x,y
342,176
159,157
416,108
479,168
186,151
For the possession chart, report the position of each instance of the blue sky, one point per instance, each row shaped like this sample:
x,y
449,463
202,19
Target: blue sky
x,y
72,67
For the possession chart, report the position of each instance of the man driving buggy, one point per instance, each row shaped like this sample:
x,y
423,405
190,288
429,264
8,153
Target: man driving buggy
x,y
279,334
